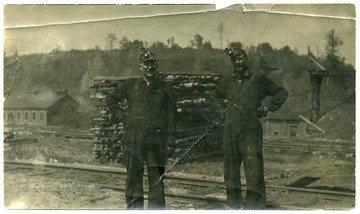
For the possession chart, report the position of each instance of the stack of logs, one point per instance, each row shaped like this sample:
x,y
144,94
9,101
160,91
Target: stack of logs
x,y
196,114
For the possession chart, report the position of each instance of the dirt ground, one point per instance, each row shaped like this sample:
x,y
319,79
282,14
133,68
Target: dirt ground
x,y
330,171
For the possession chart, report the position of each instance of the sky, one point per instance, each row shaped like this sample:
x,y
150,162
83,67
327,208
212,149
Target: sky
x,y
42,28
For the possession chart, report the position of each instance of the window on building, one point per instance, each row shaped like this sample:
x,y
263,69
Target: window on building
x,y
18,115
41,115
11,117
276,134
293,131
34,115
26,116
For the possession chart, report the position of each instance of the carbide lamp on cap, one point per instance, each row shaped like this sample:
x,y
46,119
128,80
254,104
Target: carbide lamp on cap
x,y
146,55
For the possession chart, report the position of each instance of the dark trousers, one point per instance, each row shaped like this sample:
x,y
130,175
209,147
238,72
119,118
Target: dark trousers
x,y
134,184
244,146
135,191
144,145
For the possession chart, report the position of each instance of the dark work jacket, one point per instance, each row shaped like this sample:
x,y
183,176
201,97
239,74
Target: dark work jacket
x,y
245,97
150,115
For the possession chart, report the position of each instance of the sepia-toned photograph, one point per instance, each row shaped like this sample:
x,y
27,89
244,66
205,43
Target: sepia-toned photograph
x,y
179,107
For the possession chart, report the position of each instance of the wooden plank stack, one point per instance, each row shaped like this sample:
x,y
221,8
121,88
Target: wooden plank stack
x,y
196,114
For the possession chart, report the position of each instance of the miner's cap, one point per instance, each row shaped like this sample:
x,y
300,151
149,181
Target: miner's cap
x,y
235,52
146,55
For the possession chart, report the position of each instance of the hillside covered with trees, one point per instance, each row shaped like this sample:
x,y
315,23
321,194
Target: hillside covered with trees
x,y
74,70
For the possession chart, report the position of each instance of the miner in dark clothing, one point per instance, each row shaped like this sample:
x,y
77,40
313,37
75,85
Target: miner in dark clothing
x,y
242,137
149,131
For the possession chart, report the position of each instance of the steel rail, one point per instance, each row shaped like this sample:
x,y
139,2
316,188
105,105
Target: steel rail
x,y
281,144
182,179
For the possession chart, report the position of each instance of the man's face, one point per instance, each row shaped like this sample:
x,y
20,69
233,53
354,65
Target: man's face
x,y
149,68
239,63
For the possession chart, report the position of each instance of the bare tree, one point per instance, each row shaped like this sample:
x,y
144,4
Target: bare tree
x,y
172,41
124,43
199,41
220,30
333,43
110,41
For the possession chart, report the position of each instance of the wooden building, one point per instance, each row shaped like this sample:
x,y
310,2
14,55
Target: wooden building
x,y
37,108
285,124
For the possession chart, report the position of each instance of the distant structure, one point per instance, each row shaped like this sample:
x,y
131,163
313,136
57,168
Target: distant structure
x,y
289,125
316,73
37,108
284,126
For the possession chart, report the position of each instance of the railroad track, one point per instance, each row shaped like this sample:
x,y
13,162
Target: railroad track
x,y
284,145
66,134
279,197
319,146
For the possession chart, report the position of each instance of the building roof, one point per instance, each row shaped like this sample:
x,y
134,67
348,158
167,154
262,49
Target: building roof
x,y
33,100
288,111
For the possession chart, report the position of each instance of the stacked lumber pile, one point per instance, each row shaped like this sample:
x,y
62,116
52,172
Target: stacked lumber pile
x,y
196,115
